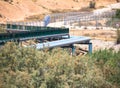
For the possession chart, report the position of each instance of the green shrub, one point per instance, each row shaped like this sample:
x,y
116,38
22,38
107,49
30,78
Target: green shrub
x,y
92,4
104,55
109,62
30,68
117,15
118,36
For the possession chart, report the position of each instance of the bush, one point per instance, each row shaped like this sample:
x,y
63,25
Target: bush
x,y
10,1
118,36
117,15
30,68
109,62
117,1
92,4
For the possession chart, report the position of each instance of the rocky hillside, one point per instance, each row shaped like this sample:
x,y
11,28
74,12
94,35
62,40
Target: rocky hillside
x,y
16,10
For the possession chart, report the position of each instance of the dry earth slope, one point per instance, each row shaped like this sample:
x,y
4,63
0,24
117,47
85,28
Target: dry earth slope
x,y
20,9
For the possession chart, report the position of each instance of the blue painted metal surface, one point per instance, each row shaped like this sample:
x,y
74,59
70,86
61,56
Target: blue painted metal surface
x,y
64,42
46,20
90,47
73,49
48,32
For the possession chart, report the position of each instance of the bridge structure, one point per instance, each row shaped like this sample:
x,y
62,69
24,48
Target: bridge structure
x,y
55,36
48,37
66,43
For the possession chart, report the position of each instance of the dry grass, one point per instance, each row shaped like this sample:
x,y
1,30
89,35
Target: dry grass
x,y
35,17
108,35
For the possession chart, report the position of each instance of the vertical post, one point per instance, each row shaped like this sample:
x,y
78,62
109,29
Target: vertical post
x,y
7,25
10,25
96,22
23,25
73,49
64,21
85,22
68,36
79,22
90,48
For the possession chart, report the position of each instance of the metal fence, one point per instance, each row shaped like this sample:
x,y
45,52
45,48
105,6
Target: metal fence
x,y
2,28
102,23
79,20
86,19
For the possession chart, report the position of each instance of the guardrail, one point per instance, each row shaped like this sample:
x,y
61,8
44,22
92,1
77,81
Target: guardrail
x,y
42,32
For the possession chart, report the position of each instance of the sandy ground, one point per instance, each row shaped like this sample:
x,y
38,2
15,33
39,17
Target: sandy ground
x,y
100,39
21,9
101,44
107,35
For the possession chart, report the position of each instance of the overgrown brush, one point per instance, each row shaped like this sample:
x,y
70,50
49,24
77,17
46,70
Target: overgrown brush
x,y
30,68
109,62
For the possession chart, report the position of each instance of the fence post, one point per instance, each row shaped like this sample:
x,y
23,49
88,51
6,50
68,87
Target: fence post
x,y
73,49
90,48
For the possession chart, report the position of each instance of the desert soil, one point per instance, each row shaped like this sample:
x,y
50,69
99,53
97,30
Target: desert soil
x,y
18,10
100,39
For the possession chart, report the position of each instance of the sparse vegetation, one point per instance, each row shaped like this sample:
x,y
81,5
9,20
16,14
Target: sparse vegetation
x,y
8,1
118,1
30,68
117,15
0,15
2,28
92,4
34,0
35,17
75,0
117,25
118,36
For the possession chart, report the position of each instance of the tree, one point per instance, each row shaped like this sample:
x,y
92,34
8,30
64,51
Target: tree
x,y
92,4
117,0
8,1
